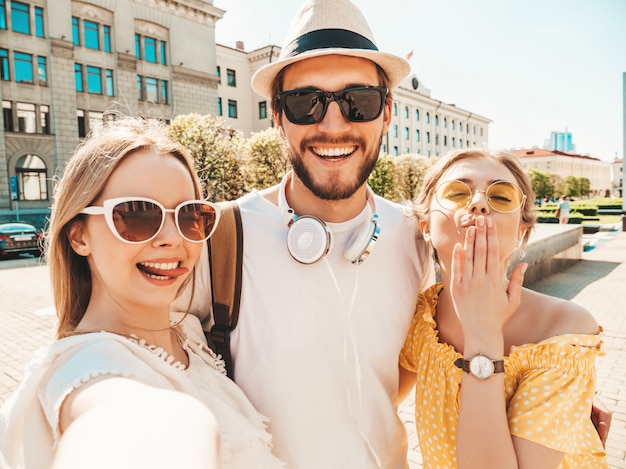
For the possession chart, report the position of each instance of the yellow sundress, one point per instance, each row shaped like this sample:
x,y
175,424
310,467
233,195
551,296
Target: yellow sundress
x,y
549,390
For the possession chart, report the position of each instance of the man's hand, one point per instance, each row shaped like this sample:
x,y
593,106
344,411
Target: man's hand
x,y
601,418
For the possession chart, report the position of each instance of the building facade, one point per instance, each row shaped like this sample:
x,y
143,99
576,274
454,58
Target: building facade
x,y
564,164
65,64
420,124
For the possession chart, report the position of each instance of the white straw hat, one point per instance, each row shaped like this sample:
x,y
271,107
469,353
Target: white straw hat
x,y
325,27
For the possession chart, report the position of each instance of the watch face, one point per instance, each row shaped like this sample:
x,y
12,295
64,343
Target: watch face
x,y
481,367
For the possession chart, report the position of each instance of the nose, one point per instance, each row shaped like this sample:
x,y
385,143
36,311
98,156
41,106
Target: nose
x,y
333,121
169,235
478,203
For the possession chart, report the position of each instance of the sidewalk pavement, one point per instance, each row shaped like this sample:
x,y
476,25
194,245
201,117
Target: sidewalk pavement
x,y
597,282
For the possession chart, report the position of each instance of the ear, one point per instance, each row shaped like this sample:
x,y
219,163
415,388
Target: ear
x,y
76,237
387,115
425,230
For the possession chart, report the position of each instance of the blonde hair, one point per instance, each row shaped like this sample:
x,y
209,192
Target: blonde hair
x,y
85,176
421,205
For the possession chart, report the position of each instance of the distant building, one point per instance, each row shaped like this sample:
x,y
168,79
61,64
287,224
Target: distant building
x,y
569,164
64,63
420,124
561,141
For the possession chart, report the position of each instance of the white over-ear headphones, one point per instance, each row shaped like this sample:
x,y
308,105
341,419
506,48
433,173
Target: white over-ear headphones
x,y
309,239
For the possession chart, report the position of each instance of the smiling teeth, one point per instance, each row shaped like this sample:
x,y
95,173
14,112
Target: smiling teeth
x,y
333,152
161,265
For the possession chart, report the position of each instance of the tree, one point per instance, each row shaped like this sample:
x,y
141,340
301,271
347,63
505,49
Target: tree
x,y
265,161
215,147
542,187
585,186
573,186
381,180
409,173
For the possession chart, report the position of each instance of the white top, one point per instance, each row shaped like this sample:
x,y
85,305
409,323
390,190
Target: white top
x,y
71,362
316,347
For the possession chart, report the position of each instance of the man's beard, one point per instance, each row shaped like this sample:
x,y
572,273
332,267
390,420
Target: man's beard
x,y
333,188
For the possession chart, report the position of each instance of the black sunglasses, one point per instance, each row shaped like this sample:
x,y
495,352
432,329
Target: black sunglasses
x,y
308,106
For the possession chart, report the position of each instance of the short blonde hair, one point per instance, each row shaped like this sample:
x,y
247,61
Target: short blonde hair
x,y
85,176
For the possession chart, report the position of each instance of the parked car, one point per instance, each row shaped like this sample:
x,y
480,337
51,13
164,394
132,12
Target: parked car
x,y
16,238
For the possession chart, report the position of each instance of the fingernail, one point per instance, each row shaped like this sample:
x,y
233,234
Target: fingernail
x,y
480,221
489,222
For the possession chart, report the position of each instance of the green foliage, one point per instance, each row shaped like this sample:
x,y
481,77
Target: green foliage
x,y
215,147
265,160
382,178
409,173
541,184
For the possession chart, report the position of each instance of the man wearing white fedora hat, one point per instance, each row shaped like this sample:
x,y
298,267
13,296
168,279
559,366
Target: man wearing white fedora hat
x,y
331,272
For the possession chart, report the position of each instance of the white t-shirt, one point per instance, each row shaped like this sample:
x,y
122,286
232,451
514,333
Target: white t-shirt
x,y
316,346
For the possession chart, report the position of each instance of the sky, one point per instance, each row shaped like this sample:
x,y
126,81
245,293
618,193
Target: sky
x,y
533,67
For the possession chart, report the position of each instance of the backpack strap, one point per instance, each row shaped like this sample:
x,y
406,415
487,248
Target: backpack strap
x,y
225,261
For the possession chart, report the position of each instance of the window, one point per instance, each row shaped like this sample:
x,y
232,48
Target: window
x,y
42,72
428,117
231,77
108,82
452,124
453,142
445,140
460,126
149,47
395,151
436,139
82,128
220,112
20,22
163,50
106,36
417,135
218,72
4,65
460,143
44,119
427,137
39,31
152,89
164,94
232,108
31,175
78,77
406,133
417,114
7,115
406,111
91,31
3,15
94,79
262,109
26,118
95,121
75,32
436,120
23,65
137,46
395,130
395,109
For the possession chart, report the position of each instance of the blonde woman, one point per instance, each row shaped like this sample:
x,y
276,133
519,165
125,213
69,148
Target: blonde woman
x,y
127,385
505,375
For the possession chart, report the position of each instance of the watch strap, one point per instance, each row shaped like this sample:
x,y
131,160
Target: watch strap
x,y
462,363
